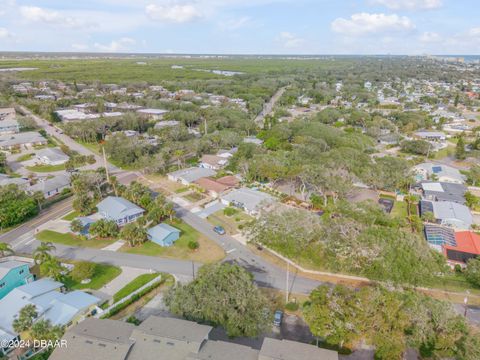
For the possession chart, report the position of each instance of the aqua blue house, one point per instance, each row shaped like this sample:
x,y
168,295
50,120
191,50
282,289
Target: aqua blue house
x,y
163,234
12,275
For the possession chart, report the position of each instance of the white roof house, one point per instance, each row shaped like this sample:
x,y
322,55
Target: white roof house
x,y
9,126
247,199
448,213
52,156
442,173
26,139
188,176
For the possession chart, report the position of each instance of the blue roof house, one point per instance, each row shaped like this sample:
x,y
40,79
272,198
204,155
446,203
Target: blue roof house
x,y
163,234
86,222
12,275
119,210
51,304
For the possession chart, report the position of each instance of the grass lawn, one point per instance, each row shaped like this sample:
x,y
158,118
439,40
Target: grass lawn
x,y
93,147
46,168
194,197
70,216
229,223
182,190
208,251
72,240
103,275
448,151
399,210
134,285
25,157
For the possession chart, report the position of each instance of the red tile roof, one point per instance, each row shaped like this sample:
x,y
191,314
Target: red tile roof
x,y
467,242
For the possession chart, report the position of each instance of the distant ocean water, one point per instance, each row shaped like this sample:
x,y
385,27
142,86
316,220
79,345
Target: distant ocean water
x,y
468,58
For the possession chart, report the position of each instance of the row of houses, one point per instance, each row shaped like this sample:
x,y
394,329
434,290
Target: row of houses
x,y
19,289
173,339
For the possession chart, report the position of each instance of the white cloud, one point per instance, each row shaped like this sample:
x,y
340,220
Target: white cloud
x,y
430,37
41,15
123,44
4,33
365,24
235,24
409,4
290,41
174,12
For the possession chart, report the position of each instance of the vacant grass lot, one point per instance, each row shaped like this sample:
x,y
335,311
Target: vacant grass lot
x,y
103,275
24,157
134,285
72,240
208,251
46,168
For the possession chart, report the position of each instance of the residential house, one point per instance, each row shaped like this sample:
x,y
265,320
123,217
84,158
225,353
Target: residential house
x,y
163,234
153,114
9,126
448,213
12,275
50,302
51,187
213,162
249,200
442,191
252,140
189,175
6,180
26,139
119,210
166,124
438,172
431,135
274,349
212,186
466,247
51,156
172,339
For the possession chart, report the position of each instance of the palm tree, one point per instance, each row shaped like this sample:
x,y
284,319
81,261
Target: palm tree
x,y
5,250
52,268
42,253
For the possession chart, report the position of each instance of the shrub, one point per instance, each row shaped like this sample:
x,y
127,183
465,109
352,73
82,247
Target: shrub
x,y
193,245
83,270
229,211
291,306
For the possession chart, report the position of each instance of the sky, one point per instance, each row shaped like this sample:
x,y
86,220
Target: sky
x,y
411,27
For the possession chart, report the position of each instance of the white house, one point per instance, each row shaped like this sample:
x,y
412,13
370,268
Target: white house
x,y
51,156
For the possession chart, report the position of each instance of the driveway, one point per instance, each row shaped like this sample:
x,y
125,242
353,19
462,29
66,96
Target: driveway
x,y
128,274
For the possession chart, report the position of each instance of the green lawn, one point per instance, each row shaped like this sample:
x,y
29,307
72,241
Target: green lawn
x,y
448,151
399,210
71,216
207,252
103,275
24,157
93,147
134,285
46,168
194,197
72,240
182,190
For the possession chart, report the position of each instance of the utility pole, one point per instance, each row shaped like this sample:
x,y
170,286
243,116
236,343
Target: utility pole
x,y
105,164
205,123
465,301
286,284
193,270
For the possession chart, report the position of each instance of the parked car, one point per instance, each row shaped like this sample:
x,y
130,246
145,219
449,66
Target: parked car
x,y
277,319
219,230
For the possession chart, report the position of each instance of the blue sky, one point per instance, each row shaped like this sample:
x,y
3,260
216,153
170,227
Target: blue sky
x,y
242,26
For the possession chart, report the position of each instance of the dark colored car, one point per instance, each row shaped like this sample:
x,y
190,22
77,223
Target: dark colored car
x,y
277,318
219,230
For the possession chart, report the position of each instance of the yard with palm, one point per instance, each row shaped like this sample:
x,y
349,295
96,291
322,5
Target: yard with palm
x,y
70,239
207,252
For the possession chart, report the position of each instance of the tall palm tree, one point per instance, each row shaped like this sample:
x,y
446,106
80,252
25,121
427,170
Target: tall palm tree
x,y
42,253
5,250
52,268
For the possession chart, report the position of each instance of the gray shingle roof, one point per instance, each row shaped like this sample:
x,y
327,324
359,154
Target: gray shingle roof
x,y
192,174
273,349
116,208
